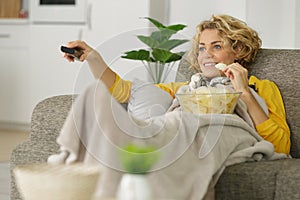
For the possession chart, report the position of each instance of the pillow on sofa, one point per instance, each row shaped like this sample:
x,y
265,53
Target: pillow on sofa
x,y
147,100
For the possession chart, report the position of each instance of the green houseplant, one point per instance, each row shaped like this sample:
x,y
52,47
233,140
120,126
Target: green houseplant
x,y
158,57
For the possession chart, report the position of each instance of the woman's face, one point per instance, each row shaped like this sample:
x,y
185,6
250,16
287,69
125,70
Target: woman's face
x,y
212,52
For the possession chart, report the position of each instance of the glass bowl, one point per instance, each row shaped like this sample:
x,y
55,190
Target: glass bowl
x,y
205,103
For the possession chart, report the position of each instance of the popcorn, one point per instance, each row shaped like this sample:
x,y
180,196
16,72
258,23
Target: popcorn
x,y
220,66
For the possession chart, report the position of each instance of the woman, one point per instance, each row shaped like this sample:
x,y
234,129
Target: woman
x,y
221,39
194,149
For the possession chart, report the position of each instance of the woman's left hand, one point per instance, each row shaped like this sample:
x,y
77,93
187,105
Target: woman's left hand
x,y
238,76
239,79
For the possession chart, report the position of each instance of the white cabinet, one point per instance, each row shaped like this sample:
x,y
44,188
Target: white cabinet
x,y
14,73
33,68
50,73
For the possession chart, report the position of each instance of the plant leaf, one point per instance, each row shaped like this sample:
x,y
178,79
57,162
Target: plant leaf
x,y
148,40
155,23
162,35
159,44
165,56
176,27
137,55
170,44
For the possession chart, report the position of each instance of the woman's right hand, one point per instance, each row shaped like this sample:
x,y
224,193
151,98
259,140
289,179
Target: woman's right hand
x,y
96,63
80,45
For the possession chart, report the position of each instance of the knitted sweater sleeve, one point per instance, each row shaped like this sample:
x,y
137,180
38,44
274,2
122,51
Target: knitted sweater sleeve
x,y
275,129
120,90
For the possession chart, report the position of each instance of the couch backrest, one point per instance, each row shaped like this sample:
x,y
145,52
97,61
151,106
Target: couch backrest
x,y
281,66
47,120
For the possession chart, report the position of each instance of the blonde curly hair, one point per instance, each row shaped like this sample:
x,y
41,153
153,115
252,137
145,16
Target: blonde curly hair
x,y
234,34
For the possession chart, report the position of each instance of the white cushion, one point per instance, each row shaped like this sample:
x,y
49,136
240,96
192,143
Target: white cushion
x,y
147,100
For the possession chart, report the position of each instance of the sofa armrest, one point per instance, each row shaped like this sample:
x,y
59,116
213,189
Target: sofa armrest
x,y
47,120
288,180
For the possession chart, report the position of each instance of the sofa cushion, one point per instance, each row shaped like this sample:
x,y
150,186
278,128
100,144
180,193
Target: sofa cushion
x,y
288,180
254,180
147,100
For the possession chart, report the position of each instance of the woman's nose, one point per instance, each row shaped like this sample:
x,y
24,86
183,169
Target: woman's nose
x,y
207,53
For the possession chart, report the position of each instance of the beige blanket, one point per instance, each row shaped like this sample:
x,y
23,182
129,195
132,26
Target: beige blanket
x,y
194,149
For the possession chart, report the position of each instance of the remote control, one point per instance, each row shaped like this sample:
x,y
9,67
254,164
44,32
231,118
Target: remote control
x,y
71,51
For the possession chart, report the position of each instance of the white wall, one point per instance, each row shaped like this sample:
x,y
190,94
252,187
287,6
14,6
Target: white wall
x,y
275,20
193,12
297,24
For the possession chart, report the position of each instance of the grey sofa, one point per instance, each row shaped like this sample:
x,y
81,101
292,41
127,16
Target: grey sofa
x,y
254,180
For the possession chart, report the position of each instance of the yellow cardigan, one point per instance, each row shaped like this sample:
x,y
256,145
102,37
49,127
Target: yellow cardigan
x,y
274,130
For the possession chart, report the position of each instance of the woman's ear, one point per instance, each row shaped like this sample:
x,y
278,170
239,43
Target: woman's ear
x,y
238,50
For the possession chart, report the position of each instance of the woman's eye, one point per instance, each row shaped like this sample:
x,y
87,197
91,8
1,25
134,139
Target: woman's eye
x,y
217,46
201,49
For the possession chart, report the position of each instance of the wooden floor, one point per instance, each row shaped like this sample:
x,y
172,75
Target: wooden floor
x,y
4,181
8,140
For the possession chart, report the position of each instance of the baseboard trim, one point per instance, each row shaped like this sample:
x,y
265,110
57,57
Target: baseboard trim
x,y
16,126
